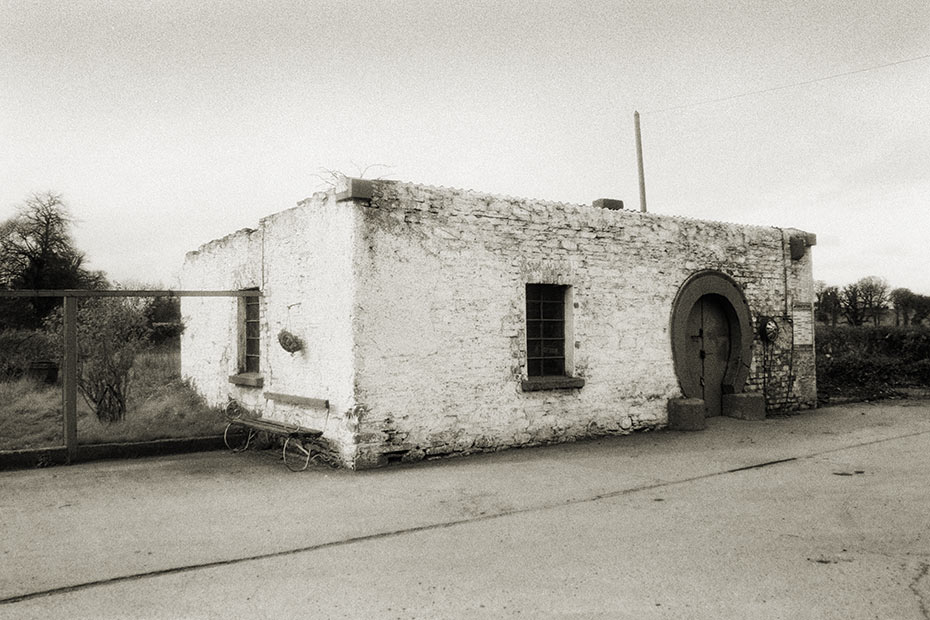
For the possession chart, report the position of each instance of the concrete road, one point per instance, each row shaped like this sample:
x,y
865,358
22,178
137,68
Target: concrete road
x,y
821,515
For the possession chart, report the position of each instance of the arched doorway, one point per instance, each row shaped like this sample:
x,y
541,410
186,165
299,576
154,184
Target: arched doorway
x,y
711,338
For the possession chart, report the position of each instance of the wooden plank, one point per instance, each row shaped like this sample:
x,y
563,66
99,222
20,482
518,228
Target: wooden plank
x,y
279,428
129,293
302,401
70,379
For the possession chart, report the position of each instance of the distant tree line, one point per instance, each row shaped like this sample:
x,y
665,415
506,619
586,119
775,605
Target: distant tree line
x,y
870,301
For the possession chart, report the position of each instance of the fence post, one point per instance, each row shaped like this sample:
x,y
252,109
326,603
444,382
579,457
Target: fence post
x,y
69,383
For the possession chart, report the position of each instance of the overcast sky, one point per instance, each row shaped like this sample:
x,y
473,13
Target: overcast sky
x,y
168,124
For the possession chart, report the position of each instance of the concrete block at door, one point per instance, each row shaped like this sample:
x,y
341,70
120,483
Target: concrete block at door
x,y
744,406
686,414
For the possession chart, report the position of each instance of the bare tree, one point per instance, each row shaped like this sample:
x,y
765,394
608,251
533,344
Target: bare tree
x,y
38,252
827,304
852,305
921,307
903,301
863,300
874,297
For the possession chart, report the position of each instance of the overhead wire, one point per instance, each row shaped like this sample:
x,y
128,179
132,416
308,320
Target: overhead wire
x,y
786,86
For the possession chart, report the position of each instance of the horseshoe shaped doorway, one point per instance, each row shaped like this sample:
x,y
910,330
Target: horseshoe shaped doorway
x,y
711,338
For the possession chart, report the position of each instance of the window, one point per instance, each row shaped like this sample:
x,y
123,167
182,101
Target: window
x,y
250,361
548,328
545,330
249,342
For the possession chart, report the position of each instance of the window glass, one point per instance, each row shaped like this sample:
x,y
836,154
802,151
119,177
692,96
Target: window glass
x,y
545,329
250,336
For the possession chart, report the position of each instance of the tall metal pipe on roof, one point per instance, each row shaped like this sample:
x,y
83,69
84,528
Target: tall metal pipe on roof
x,y
639,163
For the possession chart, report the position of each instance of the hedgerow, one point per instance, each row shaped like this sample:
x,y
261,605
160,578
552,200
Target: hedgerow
x,y
871,362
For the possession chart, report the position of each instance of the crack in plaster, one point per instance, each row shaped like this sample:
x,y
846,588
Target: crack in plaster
x,y
922,591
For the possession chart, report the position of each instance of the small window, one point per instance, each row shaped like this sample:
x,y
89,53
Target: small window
x,y
549,325
545,330
249,335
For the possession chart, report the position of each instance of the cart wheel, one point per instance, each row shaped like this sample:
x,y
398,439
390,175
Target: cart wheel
x,y
232,410
296,463
236,446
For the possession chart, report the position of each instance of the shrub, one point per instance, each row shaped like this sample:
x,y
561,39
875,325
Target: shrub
x,y
111,331
871,362
919,372
19,348
163,317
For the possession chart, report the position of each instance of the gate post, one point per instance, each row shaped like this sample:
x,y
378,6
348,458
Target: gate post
x,y
69,380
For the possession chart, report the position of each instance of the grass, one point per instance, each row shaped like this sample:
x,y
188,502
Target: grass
x,y
161,405
30,415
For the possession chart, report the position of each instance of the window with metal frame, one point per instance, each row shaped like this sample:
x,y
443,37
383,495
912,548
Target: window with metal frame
x,y
251,330
545,330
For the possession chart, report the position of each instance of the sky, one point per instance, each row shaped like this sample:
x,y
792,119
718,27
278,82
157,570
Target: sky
x,y
166,124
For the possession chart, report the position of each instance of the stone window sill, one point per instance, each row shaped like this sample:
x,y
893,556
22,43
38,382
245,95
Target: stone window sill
x,y
536,384
247,379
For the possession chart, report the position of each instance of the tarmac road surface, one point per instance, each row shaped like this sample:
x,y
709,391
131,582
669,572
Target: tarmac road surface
x,y
821,515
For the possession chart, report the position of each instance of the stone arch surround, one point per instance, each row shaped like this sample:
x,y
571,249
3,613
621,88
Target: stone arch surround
x,y
698,285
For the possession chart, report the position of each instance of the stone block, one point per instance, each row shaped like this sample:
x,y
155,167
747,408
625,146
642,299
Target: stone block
x,y
355,189
686,414
744,406
608,203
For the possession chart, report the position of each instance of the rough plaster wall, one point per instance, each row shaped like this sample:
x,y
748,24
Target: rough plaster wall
x,y
412,310
309,292
803,363
209,341
440,337
301,259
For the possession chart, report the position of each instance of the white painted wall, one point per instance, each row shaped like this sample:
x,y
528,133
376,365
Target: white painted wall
x,y
412,309
440,336
302,260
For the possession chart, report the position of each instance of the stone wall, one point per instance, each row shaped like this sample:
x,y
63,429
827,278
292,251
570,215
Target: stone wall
x,y
301,259
209,353
309,291
440,344
412,307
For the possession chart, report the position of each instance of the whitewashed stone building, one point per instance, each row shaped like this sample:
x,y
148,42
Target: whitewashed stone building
x,y
437,321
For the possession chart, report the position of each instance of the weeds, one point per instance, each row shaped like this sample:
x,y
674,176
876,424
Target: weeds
x,y
161,405
30,414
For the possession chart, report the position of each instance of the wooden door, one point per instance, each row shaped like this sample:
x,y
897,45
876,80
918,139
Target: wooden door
x,y
709,349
